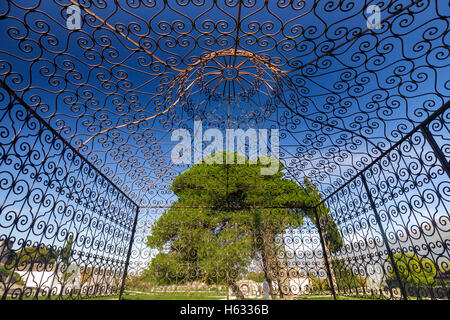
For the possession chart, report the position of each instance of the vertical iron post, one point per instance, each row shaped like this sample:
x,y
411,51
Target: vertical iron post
x,y
325,254
383,235
436,149
127,262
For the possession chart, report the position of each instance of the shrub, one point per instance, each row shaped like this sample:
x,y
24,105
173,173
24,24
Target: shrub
x,y
413,270
5,273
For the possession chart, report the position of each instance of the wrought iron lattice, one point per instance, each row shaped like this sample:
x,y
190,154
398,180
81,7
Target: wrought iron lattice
x,y
60,215
362,114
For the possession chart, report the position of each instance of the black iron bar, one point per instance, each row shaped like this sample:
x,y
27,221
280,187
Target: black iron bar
x,y
325,255
127,261
59,136
426,122
385,239
436,149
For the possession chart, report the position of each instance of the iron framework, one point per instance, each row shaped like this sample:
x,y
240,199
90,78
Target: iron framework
x,y
87,115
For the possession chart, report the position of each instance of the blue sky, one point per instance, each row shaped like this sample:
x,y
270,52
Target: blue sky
x,y
392,84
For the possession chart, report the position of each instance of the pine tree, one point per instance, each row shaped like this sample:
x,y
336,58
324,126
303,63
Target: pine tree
x,y
226,215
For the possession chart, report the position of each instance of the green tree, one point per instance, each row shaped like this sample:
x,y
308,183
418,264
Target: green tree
x,y
226,215
319,284
34,255
413,270
256,276
66,252
86,275
346,279
8,276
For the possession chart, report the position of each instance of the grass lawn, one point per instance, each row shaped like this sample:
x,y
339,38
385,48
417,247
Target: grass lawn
x,y
216,296
194,295
170,297
331,298
141,296
202,295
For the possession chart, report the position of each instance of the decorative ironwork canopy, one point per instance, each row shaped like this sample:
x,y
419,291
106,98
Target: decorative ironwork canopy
x,y
340,92
350,102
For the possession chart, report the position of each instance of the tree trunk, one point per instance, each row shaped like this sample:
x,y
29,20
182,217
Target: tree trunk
x,y
266,269
236,290
265,242
271,264
189,288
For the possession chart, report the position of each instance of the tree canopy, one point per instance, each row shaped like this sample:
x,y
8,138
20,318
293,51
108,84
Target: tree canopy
x,y
227,215
413,269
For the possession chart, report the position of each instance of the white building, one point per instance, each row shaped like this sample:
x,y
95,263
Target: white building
x,y
50,280
249,288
